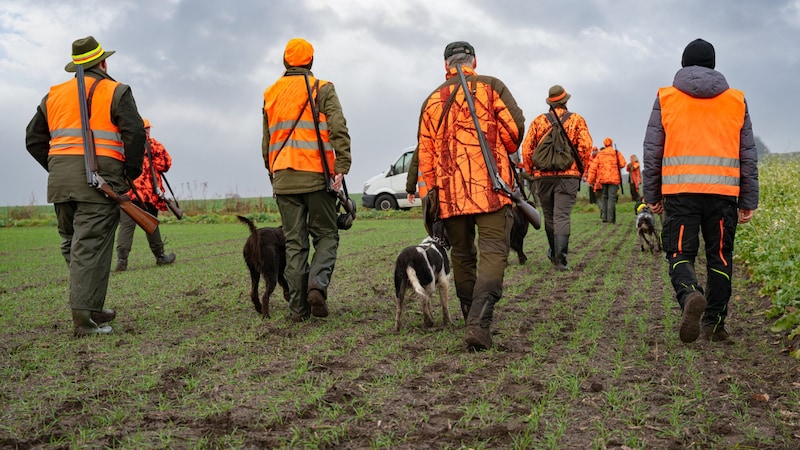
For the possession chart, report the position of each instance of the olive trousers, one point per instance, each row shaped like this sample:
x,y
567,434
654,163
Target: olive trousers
x,y
87,244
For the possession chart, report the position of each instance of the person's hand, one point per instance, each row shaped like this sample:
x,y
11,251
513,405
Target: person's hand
x,y
745,215
410,198
337,181
656,208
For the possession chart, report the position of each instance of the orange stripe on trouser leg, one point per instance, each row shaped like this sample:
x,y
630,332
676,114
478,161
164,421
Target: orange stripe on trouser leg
x,y
721,239
680,240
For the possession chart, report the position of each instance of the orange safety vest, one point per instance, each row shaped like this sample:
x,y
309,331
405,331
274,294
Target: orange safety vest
x,y
292,136
64,119
701,149
422,187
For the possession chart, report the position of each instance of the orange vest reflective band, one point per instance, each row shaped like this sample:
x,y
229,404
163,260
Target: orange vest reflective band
x,y
422,186
701,149
294,145
64,119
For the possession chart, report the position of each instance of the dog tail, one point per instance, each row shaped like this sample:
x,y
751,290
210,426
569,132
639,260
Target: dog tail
x,y
249,223
254,235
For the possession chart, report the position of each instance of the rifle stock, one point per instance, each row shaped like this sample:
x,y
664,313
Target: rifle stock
x,y
530,213
144,219
173,206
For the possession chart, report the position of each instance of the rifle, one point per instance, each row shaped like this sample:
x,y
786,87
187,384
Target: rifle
x,y
530,213
171,204
348,204
147,221
616,154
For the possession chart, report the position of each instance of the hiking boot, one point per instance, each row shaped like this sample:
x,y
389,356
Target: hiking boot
x,y
693,309
317,302
715,333
122,259
478,338
122,265
104,316
163,260
83,325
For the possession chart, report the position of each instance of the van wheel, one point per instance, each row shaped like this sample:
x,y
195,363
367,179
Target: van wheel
x,y
385,203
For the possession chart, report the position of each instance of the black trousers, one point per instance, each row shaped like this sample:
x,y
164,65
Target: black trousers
x,y
688,215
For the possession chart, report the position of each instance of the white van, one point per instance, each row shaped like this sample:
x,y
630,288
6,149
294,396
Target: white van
x,y
387,190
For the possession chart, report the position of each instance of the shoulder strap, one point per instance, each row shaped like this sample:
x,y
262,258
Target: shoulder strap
x,y
90,96
291,130
447,106
575,153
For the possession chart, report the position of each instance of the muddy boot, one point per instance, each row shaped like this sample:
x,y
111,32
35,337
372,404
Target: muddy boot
x,y
561,249
316,299
693,308
161,258
104,316
83,325
122,260
478,336
551,250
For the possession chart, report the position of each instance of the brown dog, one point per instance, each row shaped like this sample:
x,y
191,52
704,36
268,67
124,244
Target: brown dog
x,y
265,254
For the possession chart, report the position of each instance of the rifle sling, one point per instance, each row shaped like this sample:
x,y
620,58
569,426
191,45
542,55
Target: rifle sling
x,y
291,130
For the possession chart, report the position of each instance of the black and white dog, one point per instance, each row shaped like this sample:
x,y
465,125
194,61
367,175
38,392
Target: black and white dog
x,y
423,268
646,228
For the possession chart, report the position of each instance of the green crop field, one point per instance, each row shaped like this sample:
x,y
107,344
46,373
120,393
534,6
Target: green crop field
x,y
584,359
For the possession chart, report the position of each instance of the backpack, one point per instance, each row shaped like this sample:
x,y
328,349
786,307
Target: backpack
x,y
554,152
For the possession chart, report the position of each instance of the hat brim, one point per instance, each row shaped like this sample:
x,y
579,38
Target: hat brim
x,y
70,67
560,102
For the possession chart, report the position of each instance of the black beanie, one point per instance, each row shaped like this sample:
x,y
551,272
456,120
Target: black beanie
x,y
698,53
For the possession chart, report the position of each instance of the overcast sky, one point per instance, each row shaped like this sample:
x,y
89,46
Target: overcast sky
x,y
198,70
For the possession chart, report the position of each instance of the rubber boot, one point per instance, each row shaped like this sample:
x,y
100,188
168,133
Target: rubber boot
x,y
550,251
104,316
478,336
562,248
122,260
83,325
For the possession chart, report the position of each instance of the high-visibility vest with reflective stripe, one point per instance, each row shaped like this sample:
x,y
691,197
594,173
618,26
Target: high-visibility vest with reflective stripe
x,y
701,148
295,146
64,119
422,187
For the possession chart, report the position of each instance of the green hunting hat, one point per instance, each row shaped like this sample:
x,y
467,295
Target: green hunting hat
x,y
458,47
557,96
86,52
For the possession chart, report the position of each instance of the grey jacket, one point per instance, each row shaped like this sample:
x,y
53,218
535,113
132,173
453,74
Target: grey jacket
x,y
699,82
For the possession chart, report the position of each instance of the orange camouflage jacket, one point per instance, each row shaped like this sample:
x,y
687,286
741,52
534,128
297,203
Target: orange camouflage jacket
x,y
578,133
143,185
606,168
450,156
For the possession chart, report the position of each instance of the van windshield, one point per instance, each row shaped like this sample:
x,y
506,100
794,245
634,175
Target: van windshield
x,y
401,166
